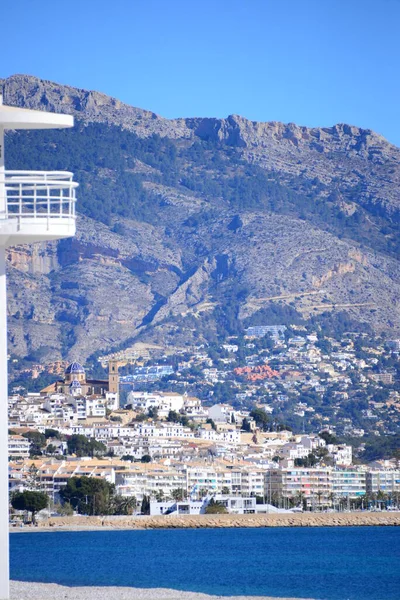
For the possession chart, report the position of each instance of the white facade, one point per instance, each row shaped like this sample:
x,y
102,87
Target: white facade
x,y
348,484
221,413
342,454
162,401
231,436
18,446
35,206
386,481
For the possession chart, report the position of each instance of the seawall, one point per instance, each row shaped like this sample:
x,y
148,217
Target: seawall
x,y
214,521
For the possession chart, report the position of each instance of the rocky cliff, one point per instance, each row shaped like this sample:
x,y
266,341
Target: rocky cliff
x,y
190,228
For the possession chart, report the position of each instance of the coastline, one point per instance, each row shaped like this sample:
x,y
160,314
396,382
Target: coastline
x,y
88,523
23,590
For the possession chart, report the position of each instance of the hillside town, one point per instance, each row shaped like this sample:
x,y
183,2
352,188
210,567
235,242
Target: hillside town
x,y
281,419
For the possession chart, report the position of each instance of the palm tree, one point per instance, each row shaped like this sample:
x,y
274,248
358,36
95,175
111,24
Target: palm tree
x,y
124,505
381,498
299,497
178,494
159,495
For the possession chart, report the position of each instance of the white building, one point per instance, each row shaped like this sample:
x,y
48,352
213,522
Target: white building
x,y
18,446
348,484
221,413
386,481
231,436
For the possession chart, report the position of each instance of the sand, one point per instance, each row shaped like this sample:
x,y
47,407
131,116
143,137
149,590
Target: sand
x,y
51,591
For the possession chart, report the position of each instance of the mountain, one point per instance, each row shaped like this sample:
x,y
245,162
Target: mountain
x,y
190,229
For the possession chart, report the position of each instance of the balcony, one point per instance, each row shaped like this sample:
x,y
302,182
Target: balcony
x,y
40,205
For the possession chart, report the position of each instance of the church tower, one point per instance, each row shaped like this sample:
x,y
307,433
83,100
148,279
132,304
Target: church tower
x,y
113,377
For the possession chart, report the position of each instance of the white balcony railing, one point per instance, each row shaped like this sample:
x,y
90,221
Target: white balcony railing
x,y
39,195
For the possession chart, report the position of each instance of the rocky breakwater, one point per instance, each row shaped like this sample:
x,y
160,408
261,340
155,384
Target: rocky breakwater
x,y
217,521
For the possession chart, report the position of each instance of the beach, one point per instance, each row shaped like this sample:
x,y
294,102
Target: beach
x,y
307,519
22,590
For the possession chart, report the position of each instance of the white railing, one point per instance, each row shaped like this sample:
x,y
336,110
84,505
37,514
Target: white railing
x,y
39,194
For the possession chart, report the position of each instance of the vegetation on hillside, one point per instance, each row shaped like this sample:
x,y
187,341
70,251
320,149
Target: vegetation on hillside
x,y
104,159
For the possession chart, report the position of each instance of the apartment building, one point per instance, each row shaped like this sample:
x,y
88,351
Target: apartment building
x,y
253,482
51,475
18,446
387,482
145,480
348,483
311,484
228,435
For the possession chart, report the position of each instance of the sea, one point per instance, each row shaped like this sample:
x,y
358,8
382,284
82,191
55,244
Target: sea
x,y
325,563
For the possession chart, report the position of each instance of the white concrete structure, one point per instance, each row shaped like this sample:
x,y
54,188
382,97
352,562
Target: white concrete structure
x,y
386,481
35,206
18,446
229,435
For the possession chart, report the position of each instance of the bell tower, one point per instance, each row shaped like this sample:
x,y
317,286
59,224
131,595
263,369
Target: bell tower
x,y
113,377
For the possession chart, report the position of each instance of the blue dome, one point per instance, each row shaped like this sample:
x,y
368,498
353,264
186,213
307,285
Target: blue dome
x,y
74,367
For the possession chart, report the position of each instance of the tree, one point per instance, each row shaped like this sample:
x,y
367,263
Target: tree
x,y
235,224
51,449
215,508
89,495
246,425
309,461
153,413
52,433
64,509
124,505
37,440
33,478
319,495
145,507
128,457
299,498
225,490
31,501
146,458
184,421
93,496
212,423
324,345
174,417
140,417
35,437
159,495
80,445
178,494
261,418
328,437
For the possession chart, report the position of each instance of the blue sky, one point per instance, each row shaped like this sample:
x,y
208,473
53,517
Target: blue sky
x,y
311,62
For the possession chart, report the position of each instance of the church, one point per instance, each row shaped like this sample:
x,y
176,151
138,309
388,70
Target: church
x,y
76,384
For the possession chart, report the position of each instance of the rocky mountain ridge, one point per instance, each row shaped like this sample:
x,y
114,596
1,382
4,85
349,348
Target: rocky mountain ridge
x,y
223,215
291,148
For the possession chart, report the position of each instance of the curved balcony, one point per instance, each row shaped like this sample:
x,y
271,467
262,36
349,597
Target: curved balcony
x,y
36,206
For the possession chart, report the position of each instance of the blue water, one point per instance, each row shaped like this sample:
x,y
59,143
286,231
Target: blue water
x,y
344,563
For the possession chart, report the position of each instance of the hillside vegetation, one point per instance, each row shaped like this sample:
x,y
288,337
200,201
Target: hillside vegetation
x,y
192,229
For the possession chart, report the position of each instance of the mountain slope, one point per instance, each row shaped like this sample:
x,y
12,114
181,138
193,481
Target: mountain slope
x,y
191,228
